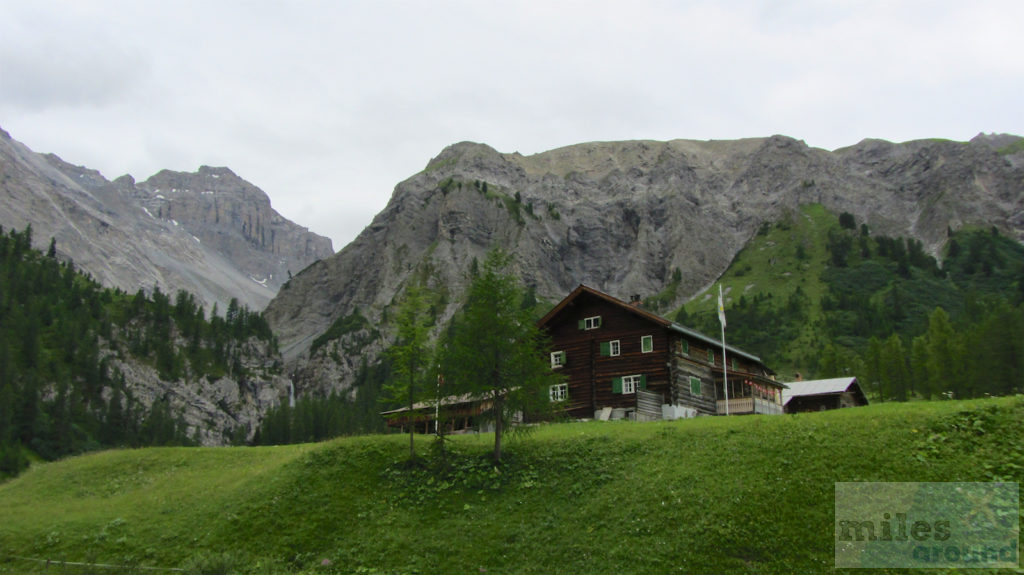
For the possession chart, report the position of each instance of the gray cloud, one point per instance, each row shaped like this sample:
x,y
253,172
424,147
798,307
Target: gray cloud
x,y
327,105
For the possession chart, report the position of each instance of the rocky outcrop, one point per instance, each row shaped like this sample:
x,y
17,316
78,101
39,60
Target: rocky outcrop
x,y
210,233
628,218
215,412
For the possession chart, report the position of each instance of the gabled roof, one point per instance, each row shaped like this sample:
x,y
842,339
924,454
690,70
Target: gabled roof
x,y
642,313
820,387
582,289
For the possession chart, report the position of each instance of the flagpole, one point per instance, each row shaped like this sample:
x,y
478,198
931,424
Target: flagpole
x,y
725,369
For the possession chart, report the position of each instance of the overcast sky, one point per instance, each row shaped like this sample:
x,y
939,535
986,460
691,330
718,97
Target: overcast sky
x,y
326,106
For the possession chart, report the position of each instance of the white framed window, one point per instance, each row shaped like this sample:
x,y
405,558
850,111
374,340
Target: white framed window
x,y
629,383
557,359
647,344
610,348
590,322
559,392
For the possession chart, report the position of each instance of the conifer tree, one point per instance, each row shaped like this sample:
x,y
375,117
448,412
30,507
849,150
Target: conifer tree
x,y
944,356
411,356
496,351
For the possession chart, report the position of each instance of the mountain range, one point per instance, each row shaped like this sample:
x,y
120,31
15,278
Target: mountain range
x,y
210,233
627,218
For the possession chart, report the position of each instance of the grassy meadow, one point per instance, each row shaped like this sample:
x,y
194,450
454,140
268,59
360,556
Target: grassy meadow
x,y
708,495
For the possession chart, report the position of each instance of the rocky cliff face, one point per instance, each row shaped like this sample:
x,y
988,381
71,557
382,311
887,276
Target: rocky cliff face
x,y
215,411
234,217
210,233
625,217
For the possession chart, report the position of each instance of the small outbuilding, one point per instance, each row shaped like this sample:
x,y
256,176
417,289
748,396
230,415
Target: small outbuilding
x,y
822,394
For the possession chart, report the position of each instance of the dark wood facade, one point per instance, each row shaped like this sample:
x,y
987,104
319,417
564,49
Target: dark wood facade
x,y
608,349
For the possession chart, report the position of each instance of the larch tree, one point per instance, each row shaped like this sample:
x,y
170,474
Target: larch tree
x,y
496,351
411,355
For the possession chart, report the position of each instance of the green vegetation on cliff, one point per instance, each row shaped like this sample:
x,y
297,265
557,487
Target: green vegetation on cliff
x,y
61,336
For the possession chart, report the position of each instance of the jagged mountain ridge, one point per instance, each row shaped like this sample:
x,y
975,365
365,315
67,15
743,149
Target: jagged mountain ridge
x,y
623,217
210,232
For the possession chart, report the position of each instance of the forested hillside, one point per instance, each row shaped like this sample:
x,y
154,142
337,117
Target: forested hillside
x,y
64,338
822,295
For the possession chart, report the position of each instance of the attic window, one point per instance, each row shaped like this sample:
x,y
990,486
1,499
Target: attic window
x,y
590,322
557,359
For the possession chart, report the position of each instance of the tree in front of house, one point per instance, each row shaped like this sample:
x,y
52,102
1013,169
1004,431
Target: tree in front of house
x,y
495,350
411,355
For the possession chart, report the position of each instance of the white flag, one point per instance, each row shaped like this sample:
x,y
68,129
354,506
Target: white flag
x,y
721,307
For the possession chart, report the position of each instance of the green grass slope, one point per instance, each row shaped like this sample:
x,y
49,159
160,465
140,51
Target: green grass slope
x,y
783,264
710,495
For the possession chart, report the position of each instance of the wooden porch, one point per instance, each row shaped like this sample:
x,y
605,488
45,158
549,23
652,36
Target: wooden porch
x,y
748,394
748,405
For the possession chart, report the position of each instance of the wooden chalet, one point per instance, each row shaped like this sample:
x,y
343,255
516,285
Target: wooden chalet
x,y
823,394
621,361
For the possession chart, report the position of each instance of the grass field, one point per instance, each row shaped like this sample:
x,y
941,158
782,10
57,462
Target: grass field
x,y
709,495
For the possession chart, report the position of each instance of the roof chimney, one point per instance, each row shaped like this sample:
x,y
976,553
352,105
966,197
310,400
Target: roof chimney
x,y
635,300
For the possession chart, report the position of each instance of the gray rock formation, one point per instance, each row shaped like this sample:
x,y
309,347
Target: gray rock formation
x,y
209,233
217,410
623,217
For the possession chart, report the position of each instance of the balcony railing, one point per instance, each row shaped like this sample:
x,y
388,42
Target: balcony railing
x,y
743,405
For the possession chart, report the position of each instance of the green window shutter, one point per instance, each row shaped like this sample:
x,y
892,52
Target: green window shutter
x,y
686,347
562,353
711,356
582,325
616,385
643,382
695,386
606,348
